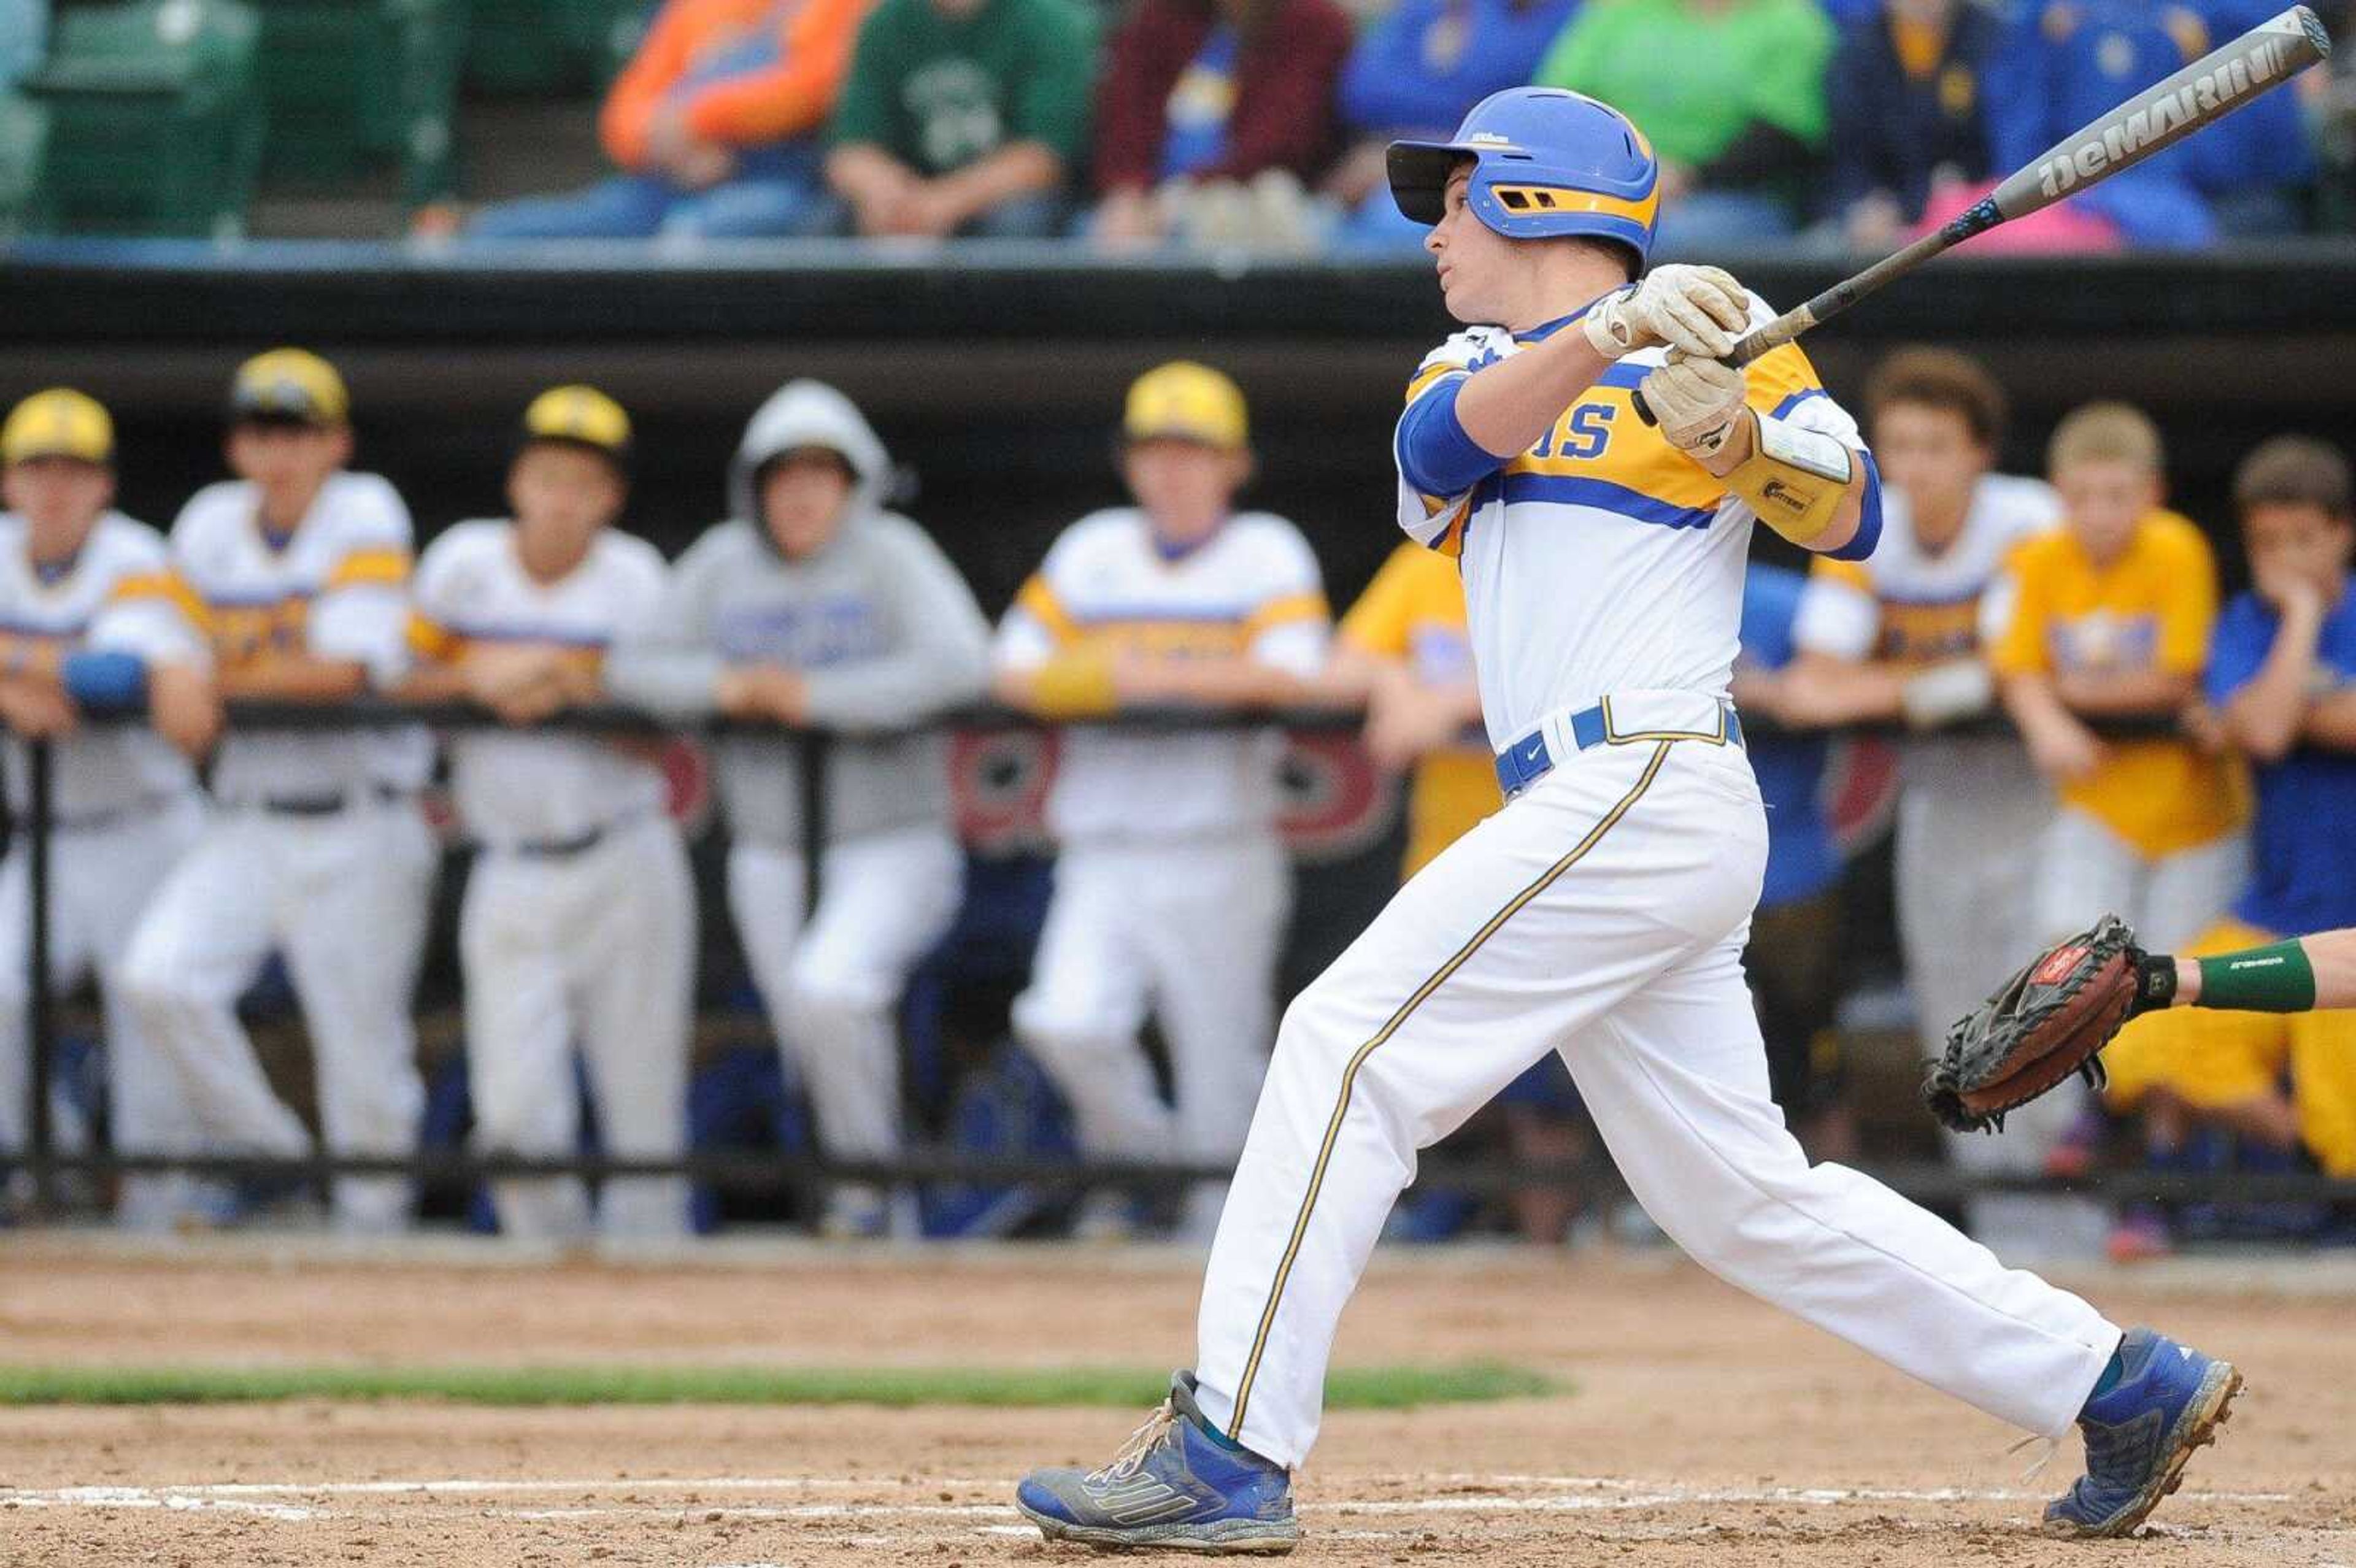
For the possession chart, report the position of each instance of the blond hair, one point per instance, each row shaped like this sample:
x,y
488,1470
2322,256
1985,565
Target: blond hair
x,y
2105,432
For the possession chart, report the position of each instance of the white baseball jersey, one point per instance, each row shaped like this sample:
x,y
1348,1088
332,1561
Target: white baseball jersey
x,y
472,588
1603,558
117,593
337,587
1252,588
1916,607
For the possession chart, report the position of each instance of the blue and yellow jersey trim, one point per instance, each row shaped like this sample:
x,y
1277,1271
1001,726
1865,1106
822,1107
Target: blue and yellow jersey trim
x,y
431,639
1153,629
1600,454
168,587
380,568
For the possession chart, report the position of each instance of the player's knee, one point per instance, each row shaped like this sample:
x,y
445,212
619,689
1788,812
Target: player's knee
x,y
825,998
156,991
1063,1040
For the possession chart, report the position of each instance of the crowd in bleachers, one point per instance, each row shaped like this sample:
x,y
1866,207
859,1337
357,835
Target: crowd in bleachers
x,y
2068,605
1261,124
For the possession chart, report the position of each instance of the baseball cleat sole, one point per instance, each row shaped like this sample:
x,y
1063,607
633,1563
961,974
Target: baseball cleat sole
x,y
1232,1536
2196,1428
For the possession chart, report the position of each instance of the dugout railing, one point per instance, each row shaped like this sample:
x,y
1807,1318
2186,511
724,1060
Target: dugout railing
x,y
780,1169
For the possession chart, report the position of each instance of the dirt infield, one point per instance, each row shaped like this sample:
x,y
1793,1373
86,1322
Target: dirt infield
x,y
1702,1428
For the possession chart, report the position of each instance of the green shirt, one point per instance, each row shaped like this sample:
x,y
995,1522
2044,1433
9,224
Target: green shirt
x,y
1756,60
939,92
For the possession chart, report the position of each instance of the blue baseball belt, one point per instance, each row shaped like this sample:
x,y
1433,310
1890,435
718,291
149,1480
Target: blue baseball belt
x,y
1531,758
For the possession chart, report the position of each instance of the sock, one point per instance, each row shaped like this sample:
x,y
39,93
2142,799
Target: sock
x,y
2113,1370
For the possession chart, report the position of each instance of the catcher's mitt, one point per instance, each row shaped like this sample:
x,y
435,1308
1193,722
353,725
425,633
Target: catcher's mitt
x,y
2049,1020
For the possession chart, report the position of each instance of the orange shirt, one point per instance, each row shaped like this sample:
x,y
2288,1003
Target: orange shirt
x,y
787,98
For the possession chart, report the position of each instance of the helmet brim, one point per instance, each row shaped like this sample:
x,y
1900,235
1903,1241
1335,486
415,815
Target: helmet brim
x,y
1419,174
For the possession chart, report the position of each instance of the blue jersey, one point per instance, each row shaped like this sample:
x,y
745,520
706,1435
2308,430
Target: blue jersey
x,y
2303,844
1802,860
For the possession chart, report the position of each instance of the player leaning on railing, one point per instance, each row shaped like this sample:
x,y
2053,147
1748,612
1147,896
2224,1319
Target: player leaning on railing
x,y
89,606
298,570
1603,911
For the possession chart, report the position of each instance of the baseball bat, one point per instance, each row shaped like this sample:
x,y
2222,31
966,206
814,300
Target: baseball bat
x,y
2157,118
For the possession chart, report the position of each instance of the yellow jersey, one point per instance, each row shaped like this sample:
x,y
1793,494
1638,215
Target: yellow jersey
x,y
1413,613
2151,609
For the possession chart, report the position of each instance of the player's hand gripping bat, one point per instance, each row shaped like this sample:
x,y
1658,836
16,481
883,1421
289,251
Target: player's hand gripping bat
x,y
2159,116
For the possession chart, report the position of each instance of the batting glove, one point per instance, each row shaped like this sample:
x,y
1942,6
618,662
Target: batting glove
x,y
1699,404
1702,310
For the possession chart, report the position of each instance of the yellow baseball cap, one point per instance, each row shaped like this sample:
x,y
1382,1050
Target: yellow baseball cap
x,y
1186,402
583,416
59,422
289,386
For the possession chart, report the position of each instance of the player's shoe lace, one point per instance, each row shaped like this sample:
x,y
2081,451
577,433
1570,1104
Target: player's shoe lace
x,y
1139,1448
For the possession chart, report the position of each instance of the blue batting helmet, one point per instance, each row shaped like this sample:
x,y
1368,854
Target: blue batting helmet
x,y
1546,162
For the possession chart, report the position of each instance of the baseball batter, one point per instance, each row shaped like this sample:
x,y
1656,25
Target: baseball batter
x,y
1172,888
317,848
815,604
78,578
579,921
1904,636
1601,913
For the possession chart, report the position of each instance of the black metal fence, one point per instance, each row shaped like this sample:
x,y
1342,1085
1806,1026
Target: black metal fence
x,y
771,1171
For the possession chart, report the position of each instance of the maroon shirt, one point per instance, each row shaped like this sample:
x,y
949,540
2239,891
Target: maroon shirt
x,y
1286,70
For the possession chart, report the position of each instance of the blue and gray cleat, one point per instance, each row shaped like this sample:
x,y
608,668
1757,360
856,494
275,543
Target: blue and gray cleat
x,y
1177,1485
2169,1399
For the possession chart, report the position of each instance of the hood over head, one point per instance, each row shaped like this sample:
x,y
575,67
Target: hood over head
x,y
804,413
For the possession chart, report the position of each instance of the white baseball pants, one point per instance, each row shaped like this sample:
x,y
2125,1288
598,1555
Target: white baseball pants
x,y
1192,930
1970,839
831,979
1602,914
2085,870
100,881
597,947
345,898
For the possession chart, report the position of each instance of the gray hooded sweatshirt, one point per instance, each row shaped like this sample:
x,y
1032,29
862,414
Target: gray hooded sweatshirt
x,y
879,623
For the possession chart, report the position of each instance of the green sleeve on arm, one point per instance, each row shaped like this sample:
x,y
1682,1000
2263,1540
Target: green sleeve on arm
x,y
2276,978
862,111
1051,103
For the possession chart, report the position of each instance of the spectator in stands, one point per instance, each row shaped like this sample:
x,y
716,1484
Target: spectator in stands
x,y
1904,636
1904,92
1413,73
2067,61
2112,620
715,126
1211,118
964,117
2282,684
816,605
1729,92
1172,888
1794,958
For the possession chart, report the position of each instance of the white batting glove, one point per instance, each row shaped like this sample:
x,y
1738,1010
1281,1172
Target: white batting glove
x,y
1697,401
1702,310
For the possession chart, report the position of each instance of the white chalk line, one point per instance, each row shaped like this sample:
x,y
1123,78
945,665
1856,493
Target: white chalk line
x,y
1570,1494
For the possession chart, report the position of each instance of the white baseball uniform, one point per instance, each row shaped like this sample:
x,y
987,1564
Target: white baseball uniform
x,y
1973,812
579,919
316,847
1172,888
1601,913
126,806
